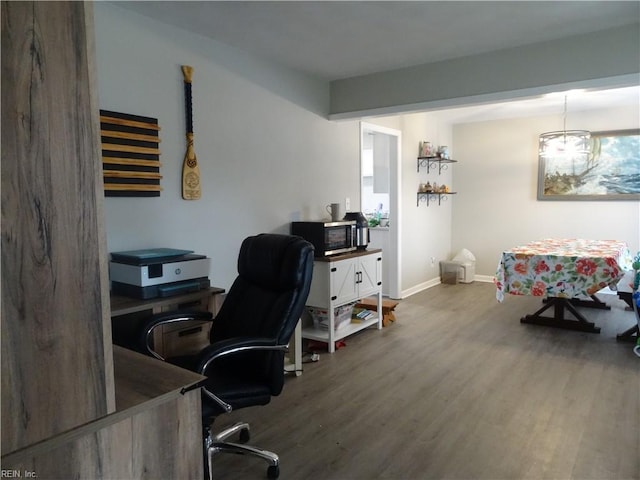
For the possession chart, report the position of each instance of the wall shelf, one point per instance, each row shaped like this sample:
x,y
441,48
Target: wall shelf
x,y
432,162
426,196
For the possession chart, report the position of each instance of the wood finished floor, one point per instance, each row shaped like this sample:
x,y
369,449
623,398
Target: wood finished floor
x,y
458,388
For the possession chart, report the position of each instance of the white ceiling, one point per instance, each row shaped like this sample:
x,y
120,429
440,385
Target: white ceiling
x,y
553,104
339,39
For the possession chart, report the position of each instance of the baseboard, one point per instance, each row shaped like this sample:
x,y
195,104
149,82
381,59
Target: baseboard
x,y
420,287
483,278
436,281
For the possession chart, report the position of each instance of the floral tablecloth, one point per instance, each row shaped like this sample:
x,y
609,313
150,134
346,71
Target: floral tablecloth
x,y
565,268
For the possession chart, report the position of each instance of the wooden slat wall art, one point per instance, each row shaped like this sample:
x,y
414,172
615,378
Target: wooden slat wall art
x,y
130,155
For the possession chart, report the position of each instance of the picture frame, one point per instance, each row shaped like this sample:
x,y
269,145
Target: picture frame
x,y
610,171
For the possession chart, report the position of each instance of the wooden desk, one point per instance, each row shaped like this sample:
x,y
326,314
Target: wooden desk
x,y
141,380
139,439
168,340
121,305
172,339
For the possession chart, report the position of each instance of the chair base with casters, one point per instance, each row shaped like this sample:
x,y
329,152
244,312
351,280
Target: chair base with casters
x,y
219,444
213,404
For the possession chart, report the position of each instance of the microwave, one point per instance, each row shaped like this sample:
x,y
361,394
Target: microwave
x,y
328,238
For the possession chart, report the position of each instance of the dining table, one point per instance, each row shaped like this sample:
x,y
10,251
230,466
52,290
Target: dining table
x,y
565,273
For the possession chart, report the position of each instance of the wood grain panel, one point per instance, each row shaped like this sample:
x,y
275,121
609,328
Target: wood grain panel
x,y
88,457
161,442
167,440
156,428
127,135
143,379
55,374
130,161
128,122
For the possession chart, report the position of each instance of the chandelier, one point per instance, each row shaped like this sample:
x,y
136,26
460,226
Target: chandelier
x,y
564,144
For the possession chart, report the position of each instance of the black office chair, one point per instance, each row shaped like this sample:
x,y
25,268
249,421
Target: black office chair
x,y
244,364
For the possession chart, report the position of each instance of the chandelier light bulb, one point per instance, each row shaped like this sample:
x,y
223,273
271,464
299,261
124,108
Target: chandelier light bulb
x,y
570,144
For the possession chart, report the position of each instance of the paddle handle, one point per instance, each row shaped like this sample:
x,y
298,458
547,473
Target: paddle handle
x,y
187,73
191,189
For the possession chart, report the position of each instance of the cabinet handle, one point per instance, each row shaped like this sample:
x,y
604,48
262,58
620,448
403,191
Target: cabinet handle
x,y
334,269
379,283
189,331
334,297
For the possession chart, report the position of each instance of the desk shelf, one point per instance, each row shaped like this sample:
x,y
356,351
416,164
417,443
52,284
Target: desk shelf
x,y
185,338
126,311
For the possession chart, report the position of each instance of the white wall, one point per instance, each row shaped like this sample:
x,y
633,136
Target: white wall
x,y
426,229
267,153
497,207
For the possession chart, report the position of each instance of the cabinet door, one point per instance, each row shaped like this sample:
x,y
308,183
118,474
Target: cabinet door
x,y
370,274
343,281
319,294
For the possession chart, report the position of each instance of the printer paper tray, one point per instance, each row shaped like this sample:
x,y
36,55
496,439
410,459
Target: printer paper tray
x,y
162,290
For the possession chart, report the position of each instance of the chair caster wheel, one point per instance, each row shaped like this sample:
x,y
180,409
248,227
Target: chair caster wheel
x,y
273,471
245,436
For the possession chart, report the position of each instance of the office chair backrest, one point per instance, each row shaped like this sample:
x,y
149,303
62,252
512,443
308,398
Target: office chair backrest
x,y
269,294
265,301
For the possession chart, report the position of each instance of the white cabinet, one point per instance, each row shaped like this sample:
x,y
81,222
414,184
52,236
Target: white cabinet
x,y
380,237
340,280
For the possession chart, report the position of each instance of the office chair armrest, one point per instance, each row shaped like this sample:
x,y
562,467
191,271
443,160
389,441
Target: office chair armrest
x,y
229,347
147,328
233,346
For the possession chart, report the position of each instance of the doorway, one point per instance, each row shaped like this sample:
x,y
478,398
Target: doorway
x,y
380,156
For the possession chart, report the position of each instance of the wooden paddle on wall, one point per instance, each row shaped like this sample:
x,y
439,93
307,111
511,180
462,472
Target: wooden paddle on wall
x,y
191,189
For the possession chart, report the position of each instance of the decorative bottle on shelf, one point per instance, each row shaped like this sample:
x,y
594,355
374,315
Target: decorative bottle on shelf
x,y
427,149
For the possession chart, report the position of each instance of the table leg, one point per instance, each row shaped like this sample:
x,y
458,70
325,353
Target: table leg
x,y
627,297
559,320
629,335
595,302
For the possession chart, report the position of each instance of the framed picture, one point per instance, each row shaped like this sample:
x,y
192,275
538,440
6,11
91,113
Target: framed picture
x,y
609,171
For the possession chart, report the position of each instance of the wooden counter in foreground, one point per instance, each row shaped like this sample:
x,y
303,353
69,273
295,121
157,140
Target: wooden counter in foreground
x,y
150,435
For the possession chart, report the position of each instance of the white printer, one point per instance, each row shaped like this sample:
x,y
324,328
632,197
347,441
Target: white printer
x,y
158,272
